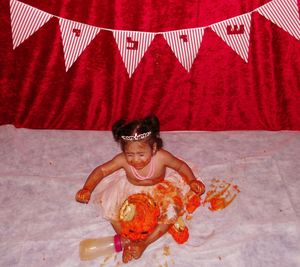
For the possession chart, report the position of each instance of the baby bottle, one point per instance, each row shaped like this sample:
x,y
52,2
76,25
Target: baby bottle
x,y
90,249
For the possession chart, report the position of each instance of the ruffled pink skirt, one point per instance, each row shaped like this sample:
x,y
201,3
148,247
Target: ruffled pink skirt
x,y
113,190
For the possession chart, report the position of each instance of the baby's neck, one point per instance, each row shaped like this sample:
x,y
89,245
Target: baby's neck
x,y
150,173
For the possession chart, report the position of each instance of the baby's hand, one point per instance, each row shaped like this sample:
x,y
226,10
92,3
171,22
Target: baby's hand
x,y
197,186
83,195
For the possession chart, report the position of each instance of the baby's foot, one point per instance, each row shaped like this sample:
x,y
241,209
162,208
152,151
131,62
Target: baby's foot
x,y
137,248
127,256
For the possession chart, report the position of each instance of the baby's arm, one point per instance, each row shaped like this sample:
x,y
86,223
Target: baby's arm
x,y
184,170
84,194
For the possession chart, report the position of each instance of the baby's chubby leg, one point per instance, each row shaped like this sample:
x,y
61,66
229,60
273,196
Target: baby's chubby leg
x,y
117,226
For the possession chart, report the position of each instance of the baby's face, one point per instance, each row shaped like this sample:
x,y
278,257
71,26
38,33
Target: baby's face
x,y
138,154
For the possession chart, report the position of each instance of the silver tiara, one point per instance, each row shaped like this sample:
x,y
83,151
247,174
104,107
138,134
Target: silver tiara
x,y
135,137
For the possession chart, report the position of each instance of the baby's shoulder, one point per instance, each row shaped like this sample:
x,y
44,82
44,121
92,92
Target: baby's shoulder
x,y
119,159
163,154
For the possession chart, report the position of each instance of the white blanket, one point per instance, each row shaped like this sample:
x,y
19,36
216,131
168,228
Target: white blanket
x,y
41,224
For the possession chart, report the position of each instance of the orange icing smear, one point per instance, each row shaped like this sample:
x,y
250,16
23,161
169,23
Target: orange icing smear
x,y
167,251
220,194
180,236
144,220
193,202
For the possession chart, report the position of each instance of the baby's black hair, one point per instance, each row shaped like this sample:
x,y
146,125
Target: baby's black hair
x,y
139,126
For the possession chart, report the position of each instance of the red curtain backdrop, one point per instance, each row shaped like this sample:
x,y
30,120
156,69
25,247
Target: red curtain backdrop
x,y
221,91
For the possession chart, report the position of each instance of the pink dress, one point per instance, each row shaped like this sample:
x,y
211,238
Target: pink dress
x,y
113,190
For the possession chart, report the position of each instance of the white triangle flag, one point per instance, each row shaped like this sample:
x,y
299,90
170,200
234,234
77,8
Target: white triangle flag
x,y
185,45
236,33
75,38
132,46
283,13
25,20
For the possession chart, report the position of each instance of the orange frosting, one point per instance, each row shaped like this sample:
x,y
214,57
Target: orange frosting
x,y
144,219
180,236
193,203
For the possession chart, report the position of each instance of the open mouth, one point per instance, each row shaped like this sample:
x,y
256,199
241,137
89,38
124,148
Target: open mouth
x,y
138,166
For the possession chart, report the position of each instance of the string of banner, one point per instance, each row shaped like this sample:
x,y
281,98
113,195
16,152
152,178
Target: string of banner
x,y
185,43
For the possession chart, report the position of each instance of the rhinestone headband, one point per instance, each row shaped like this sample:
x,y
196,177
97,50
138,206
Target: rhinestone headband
x,y
135,137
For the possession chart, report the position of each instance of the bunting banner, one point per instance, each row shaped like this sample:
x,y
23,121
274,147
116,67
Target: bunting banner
x,y
236,33
132,46
75,38
185,43
25,20
283,13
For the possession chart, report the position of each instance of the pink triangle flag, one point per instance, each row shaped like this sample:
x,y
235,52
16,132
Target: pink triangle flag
x,y
284,13
132,46
185,45
25,21
235,32
75,38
